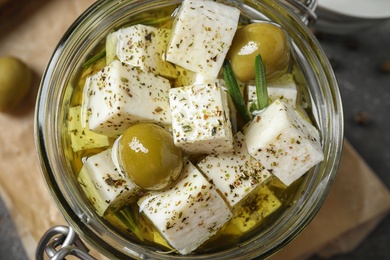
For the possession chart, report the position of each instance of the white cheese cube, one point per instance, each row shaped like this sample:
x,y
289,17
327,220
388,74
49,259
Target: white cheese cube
x,y
81,137
283,88
234,174
188,213
200,119
201,36
142,46
258,205
107,189
121,95
284,142
186,78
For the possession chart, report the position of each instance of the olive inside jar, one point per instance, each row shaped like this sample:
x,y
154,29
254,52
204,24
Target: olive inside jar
x,y
123,232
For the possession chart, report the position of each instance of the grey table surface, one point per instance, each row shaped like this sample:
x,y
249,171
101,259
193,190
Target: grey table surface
x,y
358,61
365,91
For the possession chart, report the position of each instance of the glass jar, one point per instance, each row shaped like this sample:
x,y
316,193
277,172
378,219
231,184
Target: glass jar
x,y
54,100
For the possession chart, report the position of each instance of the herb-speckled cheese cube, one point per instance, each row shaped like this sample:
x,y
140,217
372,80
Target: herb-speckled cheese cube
x,y
234,174
283,88
121,95
188,213
186,78
81,137
284,142
201,36
106,188
200,119
141,46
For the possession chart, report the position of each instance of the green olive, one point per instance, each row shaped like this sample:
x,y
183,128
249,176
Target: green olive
x,y
266,39
15,81
149,156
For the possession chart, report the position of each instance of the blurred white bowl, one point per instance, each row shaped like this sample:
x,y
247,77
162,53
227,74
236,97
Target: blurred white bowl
x,y
350,16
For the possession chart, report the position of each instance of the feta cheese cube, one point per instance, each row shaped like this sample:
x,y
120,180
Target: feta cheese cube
x,y
81,138
283,88
121,95
107,189
141,46
284,142
234,174
188,213
200,119
186,78
201,36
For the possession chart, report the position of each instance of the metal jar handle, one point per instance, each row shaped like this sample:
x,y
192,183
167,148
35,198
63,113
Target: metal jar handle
x,y
61,241
305,9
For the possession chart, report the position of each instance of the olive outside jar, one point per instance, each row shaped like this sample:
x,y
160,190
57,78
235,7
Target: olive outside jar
x,y
50,119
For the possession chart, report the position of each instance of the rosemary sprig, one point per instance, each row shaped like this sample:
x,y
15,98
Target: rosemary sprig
x,y
156,21
95,58
234,91
261,84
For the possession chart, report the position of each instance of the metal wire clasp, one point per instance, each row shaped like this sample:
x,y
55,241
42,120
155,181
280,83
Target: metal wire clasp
x,y
305,9
59,242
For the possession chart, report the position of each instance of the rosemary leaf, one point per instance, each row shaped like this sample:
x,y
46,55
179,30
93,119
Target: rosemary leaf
x,y
261,84
95,58
234,91
156,21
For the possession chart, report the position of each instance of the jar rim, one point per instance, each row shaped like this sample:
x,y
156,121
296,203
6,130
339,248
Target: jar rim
x,y
52,95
